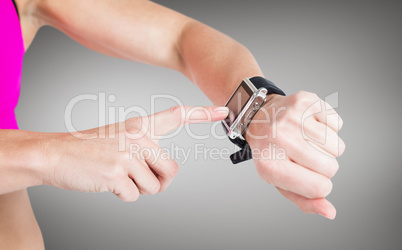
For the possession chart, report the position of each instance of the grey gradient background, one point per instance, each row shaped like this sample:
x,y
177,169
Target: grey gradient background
x,y
352,47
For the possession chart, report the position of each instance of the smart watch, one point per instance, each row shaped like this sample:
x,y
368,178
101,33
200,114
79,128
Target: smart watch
x,y
244,103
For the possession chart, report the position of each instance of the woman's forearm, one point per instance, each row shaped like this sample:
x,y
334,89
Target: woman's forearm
x,y
144,31
215,62
21,160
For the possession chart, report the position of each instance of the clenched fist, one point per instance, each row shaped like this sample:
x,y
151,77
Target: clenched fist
x,y
301,131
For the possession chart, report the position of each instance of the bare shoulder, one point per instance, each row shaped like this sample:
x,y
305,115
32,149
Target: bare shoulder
x,y
30,19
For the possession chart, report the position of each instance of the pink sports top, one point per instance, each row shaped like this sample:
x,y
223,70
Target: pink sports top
x,y
11,55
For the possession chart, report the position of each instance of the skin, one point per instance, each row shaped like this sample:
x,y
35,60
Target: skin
x,y
168,39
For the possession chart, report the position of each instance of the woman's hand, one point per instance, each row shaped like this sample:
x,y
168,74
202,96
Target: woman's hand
x,y
294,141
122,158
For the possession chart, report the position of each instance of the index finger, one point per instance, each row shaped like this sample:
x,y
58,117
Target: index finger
x,y
169,120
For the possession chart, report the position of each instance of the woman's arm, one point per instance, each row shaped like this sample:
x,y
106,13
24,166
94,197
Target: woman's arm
x,y
144,31
147,32
21,160
110,159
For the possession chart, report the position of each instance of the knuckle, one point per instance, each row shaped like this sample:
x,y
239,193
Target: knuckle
x,y
117,171
170,170
137,127
340,122
131,122
175,109
154,187
127,192
333,168
134,197
309,95
301,95
131,197
313,96
178,113
298,101
174,169
303,99
149,185
326,165
342,147
322,188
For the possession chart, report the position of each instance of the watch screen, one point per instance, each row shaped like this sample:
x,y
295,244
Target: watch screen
x,y
237,102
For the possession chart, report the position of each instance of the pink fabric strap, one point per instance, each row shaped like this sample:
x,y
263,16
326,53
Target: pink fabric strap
x,y
11,56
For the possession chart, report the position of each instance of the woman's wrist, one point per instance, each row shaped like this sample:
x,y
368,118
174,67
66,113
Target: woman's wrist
x,y
22,159
46,151
265,116
33,157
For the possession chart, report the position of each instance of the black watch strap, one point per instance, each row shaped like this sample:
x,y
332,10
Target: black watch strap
x,y
245,152
261,82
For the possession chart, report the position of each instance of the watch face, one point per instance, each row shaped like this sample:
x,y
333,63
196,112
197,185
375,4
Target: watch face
x,y
237,102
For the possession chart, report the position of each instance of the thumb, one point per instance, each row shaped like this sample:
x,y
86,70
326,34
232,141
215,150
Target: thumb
x,y
169,120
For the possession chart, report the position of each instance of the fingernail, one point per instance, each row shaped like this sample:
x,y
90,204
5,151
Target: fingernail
x,y
221,110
